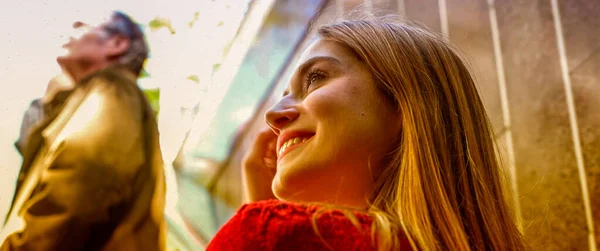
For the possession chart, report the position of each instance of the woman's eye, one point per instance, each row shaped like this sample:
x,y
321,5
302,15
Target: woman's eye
x,y
313,77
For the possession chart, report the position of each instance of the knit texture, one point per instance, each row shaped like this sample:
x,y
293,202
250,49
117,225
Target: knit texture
x,y
277,225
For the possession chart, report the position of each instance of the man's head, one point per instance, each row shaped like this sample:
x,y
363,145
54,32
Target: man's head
x,y
118,41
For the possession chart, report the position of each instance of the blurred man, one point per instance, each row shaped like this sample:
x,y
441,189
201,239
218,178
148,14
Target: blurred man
x,y
92,176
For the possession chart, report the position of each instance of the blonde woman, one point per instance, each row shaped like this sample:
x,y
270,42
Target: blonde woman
x,y
380,142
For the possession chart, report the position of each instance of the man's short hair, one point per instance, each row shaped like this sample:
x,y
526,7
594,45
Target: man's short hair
x,y
120,23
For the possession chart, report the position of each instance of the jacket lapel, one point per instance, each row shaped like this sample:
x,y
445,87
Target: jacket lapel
x,y
43,135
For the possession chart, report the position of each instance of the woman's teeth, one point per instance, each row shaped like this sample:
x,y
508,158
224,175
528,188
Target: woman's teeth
x,y
291,142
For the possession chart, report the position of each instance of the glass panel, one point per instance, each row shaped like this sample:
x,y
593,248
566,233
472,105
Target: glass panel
x,y
282,31
277,40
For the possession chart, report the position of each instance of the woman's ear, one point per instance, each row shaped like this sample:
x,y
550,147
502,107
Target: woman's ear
x,y
116,46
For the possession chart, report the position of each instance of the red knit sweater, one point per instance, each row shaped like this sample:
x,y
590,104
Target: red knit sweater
x,y
276,225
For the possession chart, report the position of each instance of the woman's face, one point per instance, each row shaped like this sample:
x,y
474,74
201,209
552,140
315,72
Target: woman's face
x,y
333,128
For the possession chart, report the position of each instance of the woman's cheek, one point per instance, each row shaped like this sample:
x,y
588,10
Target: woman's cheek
x,y
328,102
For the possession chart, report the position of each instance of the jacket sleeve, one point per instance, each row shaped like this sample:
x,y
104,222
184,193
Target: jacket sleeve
x,y
33,115
86,188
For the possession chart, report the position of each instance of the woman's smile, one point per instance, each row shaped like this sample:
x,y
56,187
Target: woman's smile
x,y
291,144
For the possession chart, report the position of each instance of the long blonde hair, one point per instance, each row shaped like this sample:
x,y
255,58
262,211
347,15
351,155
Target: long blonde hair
x,y
442,187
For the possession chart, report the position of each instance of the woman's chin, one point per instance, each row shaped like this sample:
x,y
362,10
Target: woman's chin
x,y
281,188
286,188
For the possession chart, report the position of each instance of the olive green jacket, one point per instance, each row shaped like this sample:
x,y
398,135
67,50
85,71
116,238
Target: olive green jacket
x,y
92,175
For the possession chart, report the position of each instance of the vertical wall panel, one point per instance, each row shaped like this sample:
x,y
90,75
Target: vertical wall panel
x,y
350,5
586,91
385,7
551,202
425,12
581,29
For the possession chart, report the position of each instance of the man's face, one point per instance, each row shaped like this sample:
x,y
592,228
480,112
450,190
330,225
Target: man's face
x,y
89,46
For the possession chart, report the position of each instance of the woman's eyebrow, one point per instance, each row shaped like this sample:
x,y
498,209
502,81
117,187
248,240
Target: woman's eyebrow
x,y
306,65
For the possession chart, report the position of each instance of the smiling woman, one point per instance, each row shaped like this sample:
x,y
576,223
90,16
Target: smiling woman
x,y
331,88
379,142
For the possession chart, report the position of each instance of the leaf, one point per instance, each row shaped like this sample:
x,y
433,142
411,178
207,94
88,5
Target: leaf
x,y
216,67
144,74
194,78
160,23
227,47
220,24
194,20
153,96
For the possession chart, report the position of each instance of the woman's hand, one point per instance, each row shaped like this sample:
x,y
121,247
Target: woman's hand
x,y
259,167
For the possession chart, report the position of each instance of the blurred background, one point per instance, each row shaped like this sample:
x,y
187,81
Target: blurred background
x,y
217,65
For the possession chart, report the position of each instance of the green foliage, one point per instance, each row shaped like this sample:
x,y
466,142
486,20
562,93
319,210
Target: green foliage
x,y
194,20
194,78
160,23
144,74
153,96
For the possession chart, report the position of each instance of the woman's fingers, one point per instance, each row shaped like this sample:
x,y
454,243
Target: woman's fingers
x,y
262,153
259,166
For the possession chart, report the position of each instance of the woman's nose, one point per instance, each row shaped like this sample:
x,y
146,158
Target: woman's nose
x,y
280,116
